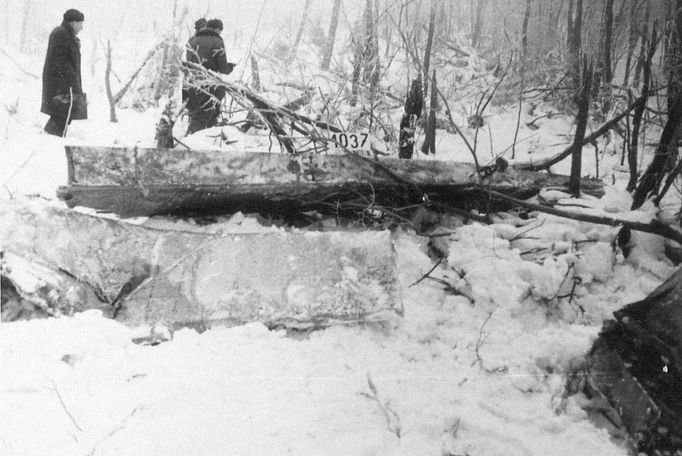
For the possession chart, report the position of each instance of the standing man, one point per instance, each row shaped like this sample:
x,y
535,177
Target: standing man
x,y
207,49
62,71
200,24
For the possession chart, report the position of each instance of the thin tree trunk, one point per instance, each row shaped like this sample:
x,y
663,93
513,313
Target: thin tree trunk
x,y
478,24
430,140
632,41
602,130
429,45
645,33
408,123
524,32
639,111
255,75
674,57
569,26
333,24
575,42
301,25
581,127
607,72
651,180
107,85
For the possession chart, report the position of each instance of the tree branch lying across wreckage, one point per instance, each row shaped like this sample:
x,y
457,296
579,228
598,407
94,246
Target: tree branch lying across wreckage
x,y
307,126
272,115
653,227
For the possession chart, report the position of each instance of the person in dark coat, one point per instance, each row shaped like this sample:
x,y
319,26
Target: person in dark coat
x,y
62,69
207,49
199,25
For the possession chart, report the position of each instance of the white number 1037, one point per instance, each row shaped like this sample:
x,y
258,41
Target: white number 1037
x,y
351,141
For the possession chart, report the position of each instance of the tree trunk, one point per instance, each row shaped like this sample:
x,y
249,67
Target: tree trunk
x,y
164,129
642,54
607,73
632,40
524,33
408,122
333,24
255,75
569,27
429,145
366,56
602,130
639,111
301,25
429,45
581,127
478,24
666,150
575,43
674,57
107,85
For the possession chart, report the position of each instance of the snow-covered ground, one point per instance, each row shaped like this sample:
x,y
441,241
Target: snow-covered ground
x,y
474,368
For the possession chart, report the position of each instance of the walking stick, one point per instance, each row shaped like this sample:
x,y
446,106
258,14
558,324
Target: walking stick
x,y
68,115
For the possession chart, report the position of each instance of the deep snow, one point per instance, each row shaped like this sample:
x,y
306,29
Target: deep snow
x,y
478,372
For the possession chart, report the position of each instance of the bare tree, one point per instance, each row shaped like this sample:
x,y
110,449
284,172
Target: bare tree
x,y
333,24
633,36
255,75
606,70
429,145
666,149
478,23
366,55
644,33
524,33
581,127
408,122
107,85
301,25
575,42
647,58
429,45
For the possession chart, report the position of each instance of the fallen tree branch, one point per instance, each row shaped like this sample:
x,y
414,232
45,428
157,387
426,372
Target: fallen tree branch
x,y
66,409
440,260
481,340
127,85
392,418
653,227
603,129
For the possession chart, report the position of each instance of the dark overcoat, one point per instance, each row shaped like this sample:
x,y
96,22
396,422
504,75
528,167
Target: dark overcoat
x,y
62,69
208,49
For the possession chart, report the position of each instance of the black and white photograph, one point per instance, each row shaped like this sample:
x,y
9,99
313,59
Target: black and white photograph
x,y
341,227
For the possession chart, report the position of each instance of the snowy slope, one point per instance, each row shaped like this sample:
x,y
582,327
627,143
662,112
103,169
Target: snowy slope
x,y
477,367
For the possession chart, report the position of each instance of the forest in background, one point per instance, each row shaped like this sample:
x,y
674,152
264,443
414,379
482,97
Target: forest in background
x,y
612,63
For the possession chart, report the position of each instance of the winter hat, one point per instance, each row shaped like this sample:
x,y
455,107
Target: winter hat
x,y
73,15
200,23
215,24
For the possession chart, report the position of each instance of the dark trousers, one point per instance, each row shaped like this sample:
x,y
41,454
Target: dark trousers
x,y
55,126
203,109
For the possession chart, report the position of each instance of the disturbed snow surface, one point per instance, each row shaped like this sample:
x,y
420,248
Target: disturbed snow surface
x,y
80,385
451,377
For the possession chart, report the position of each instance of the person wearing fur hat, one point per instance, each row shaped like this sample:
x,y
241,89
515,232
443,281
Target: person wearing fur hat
x,y
62,70
205,48
199,25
